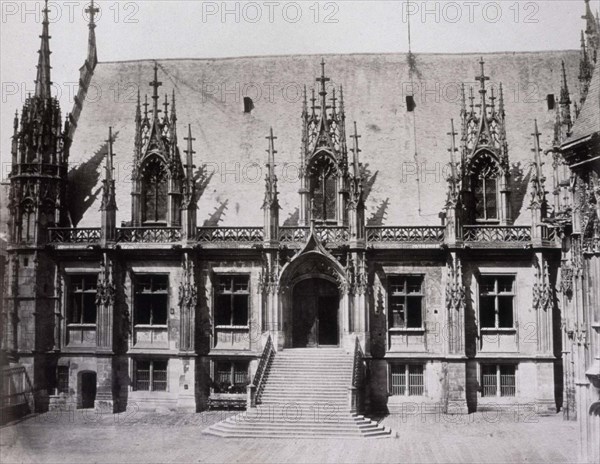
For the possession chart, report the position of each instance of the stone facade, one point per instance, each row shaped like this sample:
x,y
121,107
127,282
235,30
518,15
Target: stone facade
x,y
164,313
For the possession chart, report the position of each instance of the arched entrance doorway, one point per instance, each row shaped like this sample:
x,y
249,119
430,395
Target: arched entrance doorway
x,y
315,313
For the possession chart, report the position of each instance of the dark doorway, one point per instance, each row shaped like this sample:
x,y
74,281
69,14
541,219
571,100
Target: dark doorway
x,y
315,315
88,389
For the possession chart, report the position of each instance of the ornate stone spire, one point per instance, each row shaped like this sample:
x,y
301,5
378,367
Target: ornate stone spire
x,y
92,58
108,184
485,128
271,203
155,84
43,83
538,191
454,178
271,193
190,189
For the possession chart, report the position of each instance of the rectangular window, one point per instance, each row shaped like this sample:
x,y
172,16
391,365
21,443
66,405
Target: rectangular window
x,y
62,379
82,299
151,300
405,297
496,299
232,300
498,380
150,375
231,377
407,380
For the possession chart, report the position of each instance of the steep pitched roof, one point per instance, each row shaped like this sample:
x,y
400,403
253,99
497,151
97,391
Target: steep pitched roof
x,y
588,122
232,143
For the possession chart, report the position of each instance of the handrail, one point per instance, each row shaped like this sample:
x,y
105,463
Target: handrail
x,y
263,366
358,363
355,391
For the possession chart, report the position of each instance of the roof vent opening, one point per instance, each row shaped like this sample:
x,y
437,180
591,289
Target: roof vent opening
x,y
248,105
410,103
551,102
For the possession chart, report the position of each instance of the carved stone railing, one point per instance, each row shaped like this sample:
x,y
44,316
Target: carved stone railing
x,y
230,234
148,234
420,234
326,234
358,375
83,235
257,386
550,234
509,234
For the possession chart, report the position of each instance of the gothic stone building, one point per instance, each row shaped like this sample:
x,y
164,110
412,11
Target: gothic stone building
x,y
155,261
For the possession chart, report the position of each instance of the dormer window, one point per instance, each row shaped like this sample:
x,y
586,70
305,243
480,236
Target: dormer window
x,y
485,187
154,192
323,186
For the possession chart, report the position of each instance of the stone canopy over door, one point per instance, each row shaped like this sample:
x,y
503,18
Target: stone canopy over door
x,y
315,313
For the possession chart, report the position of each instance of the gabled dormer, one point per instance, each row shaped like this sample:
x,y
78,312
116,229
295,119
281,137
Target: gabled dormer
x,y
324,174
484,165
157,171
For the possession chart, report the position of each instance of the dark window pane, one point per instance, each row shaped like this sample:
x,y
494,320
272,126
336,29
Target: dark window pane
x,y
398,379
416,381
160,283
142,375
159,376
223,310
160,309
240,310
414,284
223,374
505,311
62,374
414,316
330,200
505,284
225,284
487,311
488,380
154,187
89,308
397,312
240,283
74,312
479,199
143,308
396,285
240,374
487,285
507,380
491,209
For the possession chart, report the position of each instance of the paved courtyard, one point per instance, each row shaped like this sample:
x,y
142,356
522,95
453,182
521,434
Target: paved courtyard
x,y
85,437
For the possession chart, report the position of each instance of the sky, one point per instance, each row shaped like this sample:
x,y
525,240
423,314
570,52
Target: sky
x,y
158,29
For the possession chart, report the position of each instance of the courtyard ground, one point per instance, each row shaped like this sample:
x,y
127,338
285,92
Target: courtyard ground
x,y
83,436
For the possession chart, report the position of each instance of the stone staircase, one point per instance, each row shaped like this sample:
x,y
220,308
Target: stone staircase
x,y
305,396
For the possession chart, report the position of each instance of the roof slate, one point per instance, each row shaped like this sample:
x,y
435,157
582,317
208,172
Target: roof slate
x,y
210,95
588,122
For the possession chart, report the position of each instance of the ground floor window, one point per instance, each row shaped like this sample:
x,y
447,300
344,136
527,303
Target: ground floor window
x,y
150,375
407,380
231,376
498,380
62,379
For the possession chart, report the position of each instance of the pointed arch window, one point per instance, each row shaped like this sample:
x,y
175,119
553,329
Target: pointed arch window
x,y
485,187
154,192
27,233
324,189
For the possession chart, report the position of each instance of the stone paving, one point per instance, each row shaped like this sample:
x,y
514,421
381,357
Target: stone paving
x,y
83,436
